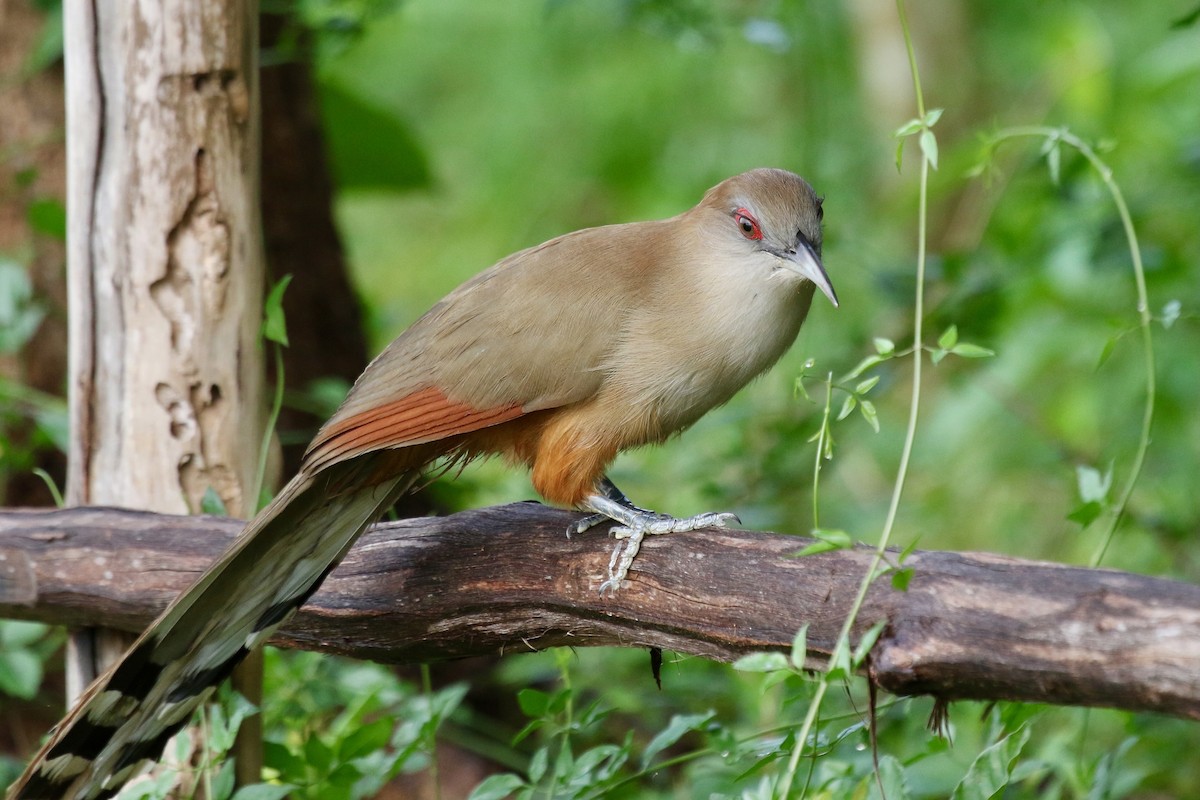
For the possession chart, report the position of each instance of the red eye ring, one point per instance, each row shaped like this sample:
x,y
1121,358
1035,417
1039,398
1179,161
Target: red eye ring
x,y
747,224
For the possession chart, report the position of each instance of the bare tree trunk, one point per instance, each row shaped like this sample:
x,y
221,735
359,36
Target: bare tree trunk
x,y
165,258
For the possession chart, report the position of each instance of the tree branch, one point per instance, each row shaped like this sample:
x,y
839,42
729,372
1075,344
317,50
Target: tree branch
x,y
505,579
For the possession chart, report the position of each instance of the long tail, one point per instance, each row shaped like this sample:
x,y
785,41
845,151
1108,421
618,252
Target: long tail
x,y
124,719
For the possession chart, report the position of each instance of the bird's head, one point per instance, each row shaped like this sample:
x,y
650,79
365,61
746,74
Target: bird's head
x,y
773,216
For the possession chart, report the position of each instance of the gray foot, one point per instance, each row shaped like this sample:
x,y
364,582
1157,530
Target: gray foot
x,y
634,525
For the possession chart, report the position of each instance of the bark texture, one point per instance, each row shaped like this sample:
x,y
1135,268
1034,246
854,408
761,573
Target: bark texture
x,y
498,580
165,251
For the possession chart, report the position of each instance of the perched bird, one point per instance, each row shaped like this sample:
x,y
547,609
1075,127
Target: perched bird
x,y
558,357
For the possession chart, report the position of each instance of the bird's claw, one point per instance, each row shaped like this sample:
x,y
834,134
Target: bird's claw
x,y
636,528
586,524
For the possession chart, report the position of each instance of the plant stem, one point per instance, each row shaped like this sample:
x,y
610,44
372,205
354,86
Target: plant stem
x,y
822,435
1143,307
255,501
910,434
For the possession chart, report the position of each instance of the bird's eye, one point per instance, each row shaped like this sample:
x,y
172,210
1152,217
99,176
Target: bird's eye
x,y
748,224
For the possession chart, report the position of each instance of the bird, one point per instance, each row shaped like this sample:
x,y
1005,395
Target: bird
x,y
558,357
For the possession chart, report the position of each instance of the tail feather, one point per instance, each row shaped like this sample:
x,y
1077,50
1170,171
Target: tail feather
x,y
124,719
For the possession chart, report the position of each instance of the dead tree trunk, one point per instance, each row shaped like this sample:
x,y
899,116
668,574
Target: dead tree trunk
x,y
164,251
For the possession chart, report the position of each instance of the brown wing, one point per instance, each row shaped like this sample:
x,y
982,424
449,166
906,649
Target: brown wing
x,y
421,417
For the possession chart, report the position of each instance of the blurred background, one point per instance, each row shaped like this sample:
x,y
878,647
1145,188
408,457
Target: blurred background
x,y
408,145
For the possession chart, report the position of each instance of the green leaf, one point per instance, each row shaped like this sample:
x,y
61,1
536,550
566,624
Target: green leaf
x,y
866,642
827,447
899,153
1170,313
344,776
278,757
989,773
1052,150
48,43
839,662
865,365
1054,163
1092,483
48,216
1111,778
885,347
677,728
968,350
1086,513
20,673
867,385
370,146
937,354
901,578
528,729
1186,20
949,338
1106,352
867,408
891,776
20,314
932,116
799,654
212,504
497,787
539,763
908,128
318,755
15,633
533,702
264,791
222,784
847,407
601,762
226,719
765,661
929,147
367,739
564,762
827,540
274,325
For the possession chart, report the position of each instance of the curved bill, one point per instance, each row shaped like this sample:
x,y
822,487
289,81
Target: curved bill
x,y
806,262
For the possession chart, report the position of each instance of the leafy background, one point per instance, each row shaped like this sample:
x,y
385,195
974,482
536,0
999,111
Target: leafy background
x,y
461,131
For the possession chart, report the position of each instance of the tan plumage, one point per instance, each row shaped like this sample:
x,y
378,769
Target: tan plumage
x,y
558,357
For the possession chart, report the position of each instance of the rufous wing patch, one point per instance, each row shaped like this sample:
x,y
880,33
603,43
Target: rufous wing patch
x,y
419,418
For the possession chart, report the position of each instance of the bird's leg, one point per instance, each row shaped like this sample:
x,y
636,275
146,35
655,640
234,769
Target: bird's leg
x,y
609,490
610,503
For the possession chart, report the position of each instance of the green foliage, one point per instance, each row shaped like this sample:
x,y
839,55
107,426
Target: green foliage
x,y
370,148
342,730
42,418
524,119
24,647
274,328
20,313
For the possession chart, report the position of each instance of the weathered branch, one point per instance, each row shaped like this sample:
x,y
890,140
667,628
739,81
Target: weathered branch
x,y
970,625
